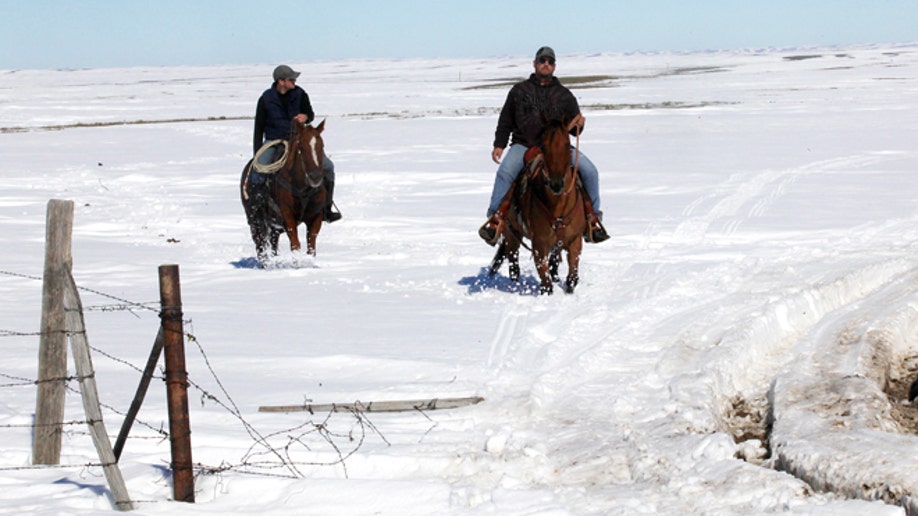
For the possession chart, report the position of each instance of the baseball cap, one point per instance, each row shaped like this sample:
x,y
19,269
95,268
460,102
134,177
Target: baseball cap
x,y
285,72
545,52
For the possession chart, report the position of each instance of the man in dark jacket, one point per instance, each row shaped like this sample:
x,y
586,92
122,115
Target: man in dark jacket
x,y
528,104
277,108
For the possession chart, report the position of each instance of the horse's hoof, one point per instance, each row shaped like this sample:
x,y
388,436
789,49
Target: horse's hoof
x,y
543,290
571,285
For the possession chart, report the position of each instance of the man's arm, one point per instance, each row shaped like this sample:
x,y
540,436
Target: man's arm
x,y
261,118
504,124
306,108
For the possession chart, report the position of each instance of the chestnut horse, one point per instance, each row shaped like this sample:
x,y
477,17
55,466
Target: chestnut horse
x,y
296,194
548,209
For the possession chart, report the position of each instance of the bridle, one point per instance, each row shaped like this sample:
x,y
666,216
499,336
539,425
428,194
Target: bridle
x,y
559,223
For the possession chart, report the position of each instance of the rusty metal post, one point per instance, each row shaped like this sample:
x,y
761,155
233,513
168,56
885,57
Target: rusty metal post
x,y
176,383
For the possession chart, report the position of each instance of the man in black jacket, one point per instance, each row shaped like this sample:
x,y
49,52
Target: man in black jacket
x,y
278,106
528,105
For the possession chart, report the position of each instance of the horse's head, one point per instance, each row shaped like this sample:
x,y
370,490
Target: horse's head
x,y
556,151
307,150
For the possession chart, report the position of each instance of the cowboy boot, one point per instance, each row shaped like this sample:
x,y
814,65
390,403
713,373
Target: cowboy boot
x,y
491,230
595,232
330,215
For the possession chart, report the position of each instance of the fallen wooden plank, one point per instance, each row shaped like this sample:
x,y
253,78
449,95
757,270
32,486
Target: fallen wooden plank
x,y
378,406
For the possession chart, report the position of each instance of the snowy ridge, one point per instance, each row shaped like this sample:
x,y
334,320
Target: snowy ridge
x,y
832,406
776,327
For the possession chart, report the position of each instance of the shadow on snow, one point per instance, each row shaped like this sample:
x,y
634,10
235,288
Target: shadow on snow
x,y
280,262
528,285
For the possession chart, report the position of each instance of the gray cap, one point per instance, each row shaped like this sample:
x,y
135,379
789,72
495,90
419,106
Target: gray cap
x,y
545,52
285,72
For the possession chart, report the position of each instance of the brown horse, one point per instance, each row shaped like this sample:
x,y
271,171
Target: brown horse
x,y
548,209
296,194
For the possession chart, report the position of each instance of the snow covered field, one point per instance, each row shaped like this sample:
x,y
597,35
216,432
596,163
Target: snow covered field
x,y
726,352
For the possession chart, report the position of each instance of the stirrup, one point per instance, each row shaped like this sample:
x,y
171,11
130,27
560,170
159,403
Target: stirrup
x,y
491,230
331,215
595,232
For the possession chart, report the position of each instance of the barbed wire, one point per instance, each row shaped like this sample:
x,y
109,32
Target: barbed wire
x,y
261,457
20,275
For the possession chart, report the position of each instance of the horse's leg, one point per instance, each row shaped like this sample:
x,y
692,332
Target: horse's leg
x,y
260,231
290,224
274,238
541,255
554,262
513,259
573,264
312,232
259,237
514,265
498,259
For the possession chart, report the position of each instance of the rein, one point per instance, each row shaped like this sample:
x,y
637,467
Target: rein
x,y
577,150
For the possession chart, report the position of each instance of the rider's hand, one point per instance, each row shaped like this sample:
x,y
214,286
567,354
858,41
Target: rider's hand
x,y
300,119
577,122
496,154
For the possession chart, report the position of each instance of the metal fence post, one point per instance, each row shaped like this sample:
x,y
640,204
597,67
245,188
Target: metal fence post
x,y
176,383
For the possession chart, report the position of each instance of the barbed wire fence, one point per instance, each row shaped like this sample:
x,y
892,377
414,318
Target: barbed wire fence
x,y
283,452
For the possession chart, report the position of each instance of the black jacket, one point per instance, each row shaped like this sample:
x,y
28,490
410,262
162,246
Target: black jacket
x,y
527,102
275,112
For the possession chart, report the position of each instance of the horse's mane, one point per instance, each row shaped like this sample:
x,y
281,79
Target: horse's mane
x,y
550,125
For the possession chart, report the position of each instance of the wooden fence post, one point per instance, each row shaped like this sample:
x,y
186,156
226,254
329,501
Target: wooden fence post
x,y
176,383
52,346
79,343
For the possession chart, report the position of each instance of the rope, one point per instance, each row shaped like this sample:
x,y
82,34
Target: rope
x,y
277,164
577,150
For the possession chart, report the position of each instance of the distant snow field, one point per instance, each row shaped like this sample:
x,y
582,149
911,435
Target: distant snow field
x,y
743,344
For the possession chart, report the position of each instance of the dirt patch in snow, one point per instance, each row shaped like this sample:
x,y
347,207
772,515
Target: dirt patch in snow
x,y
904,412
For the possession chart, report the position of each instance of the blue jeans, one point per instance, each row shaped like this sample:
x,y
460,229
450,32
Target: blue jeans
x,y
276,153
512,164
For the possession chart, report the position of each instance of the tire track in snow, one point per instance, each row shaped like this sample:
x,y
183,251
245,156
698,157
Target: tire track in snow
x,y
761,190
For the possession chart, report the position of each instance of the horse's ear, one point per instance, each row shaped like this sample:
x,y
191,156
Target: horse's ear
x,y
321,127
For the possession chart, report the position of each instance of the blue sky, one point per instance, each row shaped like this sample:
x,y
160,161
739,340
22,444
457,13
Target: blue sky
x,y
106,33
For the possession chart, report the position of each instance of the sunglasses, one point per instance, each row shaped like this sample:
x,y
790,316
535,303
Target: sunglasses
x,y
549,60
